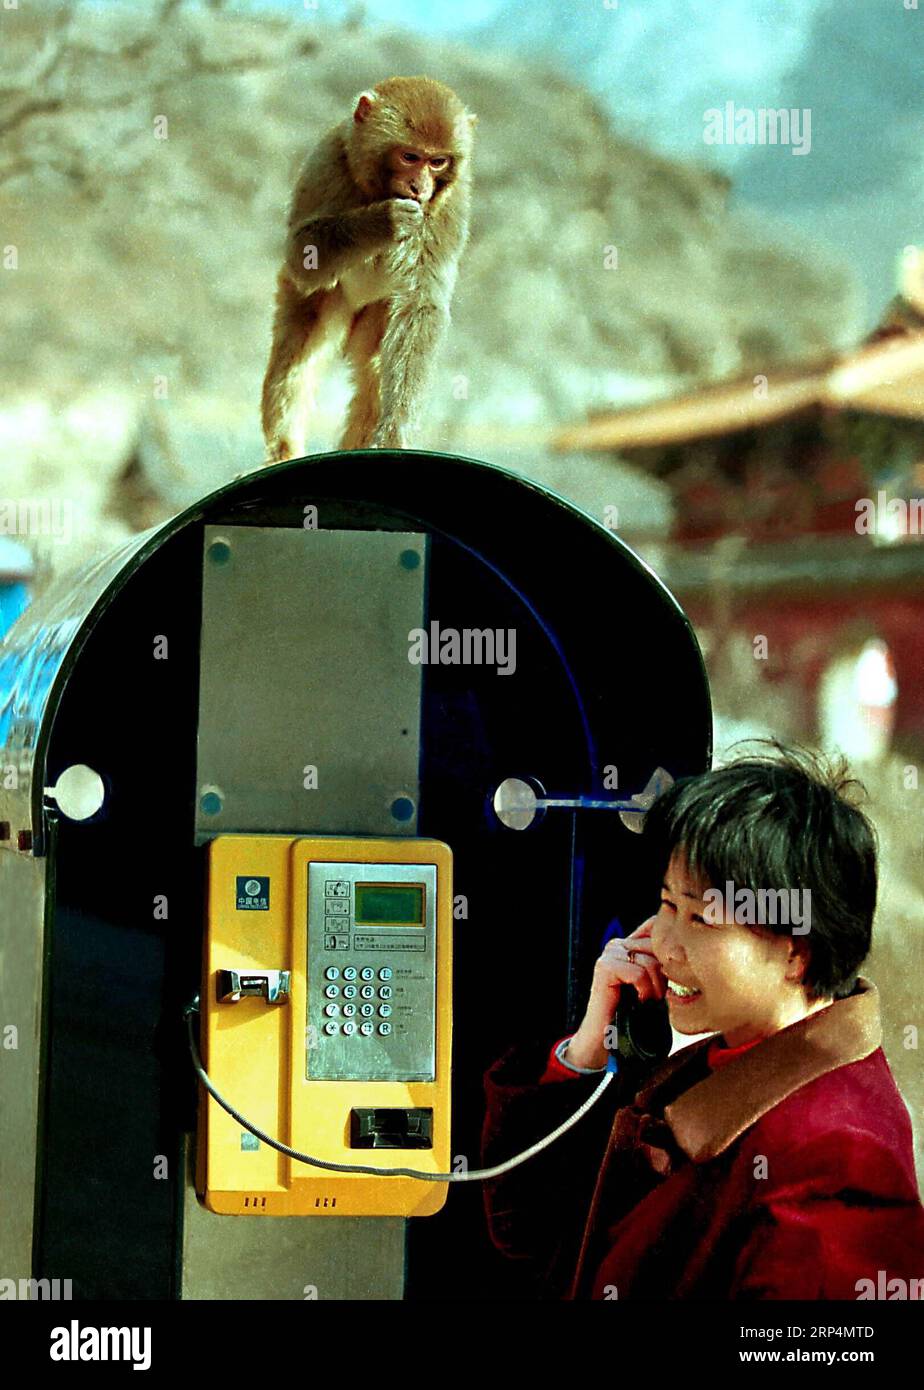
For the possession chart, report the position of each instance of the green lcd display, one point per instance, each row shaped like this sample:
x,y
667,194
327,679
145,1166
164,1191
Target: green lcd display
x,y
389,905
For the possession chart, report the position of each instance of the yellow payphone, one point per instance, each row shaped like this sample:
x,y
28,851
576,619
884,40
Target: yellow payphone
x,y
326,1019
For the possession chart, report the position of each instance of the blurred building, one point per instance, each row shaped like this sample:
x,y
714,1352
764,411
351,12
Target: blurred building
x,y
799,519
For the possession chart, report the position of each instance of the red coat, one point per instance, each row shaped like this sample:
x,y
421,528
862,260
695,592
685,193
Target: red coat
x,y
787,1173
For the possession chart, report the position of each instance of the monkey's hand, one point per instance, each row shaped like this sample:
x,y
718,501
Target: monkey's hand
x,y
406,217
394,222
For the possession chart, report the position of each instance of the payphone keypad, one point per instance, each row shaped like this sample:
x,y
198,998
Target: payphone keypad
x,y
374,1010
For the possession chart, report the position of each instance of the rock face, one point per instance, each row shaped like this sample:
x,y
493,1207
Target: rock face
x,y
145,177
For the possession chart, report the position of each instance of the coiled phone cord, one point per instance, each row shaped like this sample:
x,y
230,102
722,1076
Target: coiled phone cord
x,y
474,1175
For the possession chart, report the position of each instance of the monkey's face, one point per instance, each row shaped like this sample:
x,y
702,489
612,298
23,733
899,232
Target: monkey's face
x,y
415,173
409,137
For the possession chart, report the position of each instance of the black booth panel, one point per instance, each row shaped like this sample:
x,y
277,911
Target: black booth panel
x,y
119,1089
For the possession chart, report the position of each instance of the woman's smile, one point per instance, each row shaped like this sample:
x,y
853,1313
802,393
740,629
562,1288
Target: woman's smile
x,y
682,995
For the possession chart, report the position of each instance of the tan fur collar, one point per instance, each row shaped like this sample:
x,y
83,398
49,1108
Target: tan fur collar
x,y
710,1115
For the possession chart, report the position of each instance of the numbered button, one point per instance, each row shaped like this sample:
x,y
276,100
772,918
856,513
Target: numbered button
x,y
331,991
331,1010
349,972
385,972
367,973
349,991
367,992
349,1010
349,1029
367,1010
332,973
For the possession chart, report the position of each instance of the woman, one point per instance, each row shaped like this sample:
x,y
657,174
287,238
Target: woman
x,y
770,1159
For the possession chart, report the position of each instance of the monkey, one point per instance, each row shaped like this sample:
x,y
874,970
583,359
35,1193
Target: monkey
x,y
378,222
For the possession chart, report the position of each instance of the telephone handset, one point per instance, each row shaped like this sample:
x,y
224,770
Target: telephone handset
x,y
643,1038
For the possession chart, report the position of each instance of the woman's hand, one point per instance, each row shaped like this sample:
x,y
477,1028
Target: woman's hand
x,y
629,961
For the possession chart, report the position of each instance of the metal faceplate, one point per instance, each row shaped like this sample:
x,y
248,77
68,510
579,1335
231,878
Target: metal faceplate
x,y
309,706
379,1023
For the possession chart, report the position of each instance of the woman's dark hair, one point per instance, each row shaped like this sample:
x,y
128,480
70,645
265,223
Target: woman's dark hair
x,y
781,821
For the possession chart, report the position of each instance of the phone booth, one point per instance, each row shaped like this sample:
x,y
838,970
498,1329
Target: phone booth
x,y
335,753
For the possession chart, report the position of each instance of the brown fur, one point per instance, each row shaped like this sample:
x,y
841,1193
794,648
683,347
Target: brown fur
x,y
387,237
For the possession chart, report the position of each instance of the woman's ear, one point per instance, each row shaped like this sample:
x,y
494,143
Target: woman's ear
x,y
797,962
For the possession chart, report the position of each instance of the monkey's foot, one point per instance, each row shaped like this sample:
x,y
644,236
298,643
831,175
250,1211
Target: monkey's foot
x,y
280,453
387,439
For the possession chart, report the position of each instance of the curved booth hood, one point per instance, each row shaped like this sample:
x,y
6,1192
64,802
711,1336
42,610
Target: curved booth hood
x,y
362,644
